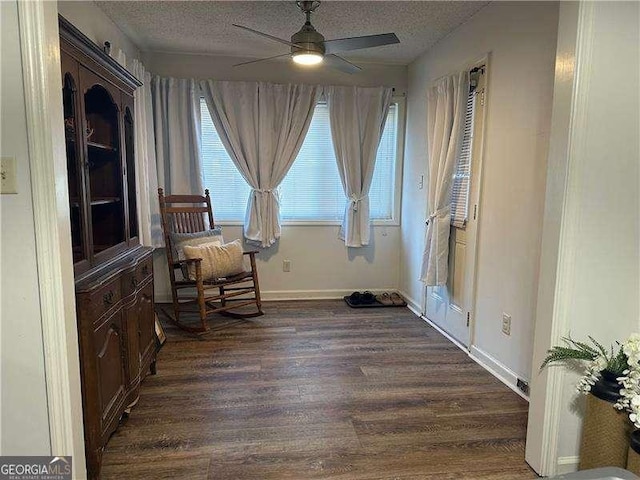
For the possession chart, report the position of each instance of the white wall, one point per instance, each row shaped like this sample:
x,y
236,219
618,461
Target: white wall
x,y
597,278
279,71
521,41
87,17
24,421
321,266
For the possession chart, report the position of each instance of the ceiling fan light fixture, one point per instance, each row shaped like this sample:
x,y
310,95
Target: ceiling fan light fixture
x,y
309,47
307,57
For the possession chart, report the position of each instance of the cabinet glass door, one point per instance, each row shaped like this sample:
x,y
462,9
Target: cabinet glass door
x,y
106,193
129,152
73,169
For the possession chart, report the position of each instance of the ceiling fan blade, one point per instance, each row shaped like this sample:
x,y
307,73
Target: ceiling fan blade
x,y
355,43
270,37
262,59
339,63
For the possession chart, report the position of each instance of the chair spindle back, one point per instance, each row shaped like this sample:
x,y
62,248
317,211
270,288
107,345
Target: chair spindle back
x,y
184,214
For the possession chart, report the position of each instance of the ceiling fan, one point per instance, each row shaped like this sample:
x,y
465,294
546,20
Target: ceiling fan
x,y
308,46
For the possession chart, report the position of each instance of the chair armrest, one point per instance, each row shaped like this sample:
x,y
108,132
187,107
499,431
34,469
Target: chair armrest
x,y
250,252
186,261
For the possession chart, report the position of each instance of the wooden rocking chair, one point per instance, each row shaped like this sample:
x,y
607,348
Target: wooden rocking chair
x,y
186,214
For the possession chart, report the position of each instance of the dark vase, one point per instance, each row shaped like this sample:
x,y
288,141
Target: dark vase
x,y
605,430
607,387
633,460
635,441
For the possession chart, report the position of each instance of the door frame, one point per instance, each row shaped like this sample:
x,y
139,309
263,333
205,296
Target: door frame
x,y
475,196
560,229
40,50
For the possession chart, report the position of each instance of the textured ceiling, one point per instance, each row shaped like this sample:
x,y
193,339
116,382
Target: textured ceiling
x,y
206,27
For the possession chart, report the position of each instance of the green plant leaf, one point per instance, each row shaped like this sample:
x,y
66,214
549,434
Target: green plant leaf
x,y
562,354
600,347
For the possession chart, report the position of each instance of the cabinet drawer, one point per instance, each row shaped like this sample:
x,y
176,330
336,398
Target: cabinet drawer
x,y
106,297
136,276
144,269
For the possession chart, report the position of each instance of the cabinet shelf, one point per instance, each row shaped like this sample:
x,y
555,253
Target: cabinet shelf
x,y
105,201
75,202
102,147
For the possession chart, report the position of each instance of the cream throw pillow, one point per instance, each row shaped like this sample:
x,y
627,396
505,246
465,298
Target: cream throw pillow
x,y
179,240
218,261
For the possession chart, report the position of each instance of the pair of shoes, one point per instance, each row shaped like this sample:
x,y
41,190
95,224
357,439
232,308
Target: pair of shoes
x,y
397,299
384,298
387,298
366,298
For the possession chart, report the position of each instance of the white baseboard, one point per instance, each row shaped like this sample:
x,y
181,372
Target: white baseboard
x,y
497,369
486,361
412,303
444,333
282,295
162,298
567,465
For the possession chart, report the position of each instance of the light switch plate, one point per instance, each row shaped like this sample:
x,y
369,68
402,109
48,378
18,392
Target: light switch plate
x,y
8,175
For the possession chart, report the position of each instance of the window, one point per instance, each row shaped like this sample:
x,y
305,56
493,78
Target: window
x,y
229,191
312,190
462,175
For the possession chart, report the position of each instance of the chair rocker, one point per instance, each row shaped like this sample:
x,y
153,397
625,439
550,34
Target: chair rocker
x,y
188,214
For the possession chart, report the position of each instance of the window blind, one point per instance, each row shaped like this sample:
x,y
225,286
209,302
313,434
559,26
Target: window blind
x,y
311,190
382,192
462,175
228,190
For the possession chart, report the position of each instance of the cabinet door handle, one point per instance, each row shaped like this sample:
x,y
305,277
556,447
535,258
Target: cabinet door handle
x,y
107,298
145,270
134,282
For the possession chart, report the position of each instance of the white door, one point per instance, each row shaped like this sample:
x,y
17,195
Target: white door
x,y
451,306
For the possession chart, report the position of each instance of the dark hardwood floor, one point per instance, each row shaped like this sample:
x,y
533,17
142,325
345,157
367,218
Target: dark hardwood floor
x,y
314,390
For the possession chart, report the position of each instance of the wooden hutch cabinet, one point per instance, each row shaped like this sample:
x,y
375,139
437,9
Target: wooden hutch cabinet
x,y
113,272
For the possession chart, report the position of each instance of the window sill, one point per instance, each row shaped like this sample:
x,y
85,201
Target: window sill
x,y
314,223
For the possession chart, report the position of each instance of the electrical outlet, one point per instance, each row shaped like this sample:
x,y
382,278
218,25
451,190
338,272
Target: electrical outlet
x,y
8,175
523,386
286,265
506,324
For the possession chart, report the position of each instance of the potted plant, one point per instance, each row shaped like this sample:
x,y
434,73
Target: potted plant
x,y
606,430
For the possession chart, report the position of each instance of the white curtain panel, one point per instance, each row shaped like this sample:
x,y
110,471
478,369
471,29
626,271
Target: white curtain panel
x,y
120,57
145,154
262,127
176,120
357,117
446,103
